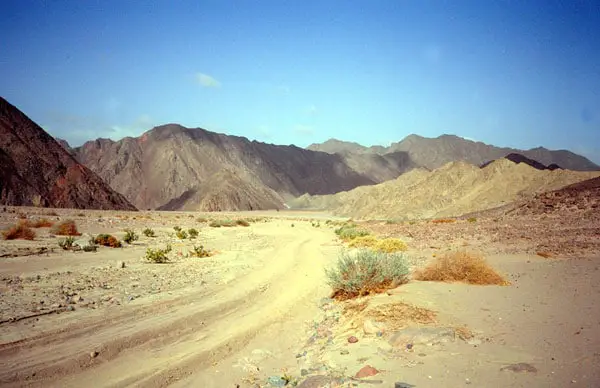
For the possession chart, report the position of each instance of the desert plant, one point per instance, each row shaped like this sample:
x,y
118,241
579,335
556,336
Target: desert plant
x,y
391,245
41,223
20,231
364,242
149,232
66,228
366,272
90,248
242,222
349,232
460,266
443,221
177,228
158,256
181,234
199,251
472,219
107,240
130,236
224,223
66,243
193,233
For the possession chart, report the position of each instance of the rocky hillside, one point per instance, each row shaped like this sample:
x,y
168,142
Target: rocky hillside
x,y
452,190
164,166
36,170
433,153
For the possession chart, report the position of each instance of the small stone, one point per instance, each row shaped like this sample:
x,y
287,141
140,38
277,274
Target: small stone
x,y
344,352
71,308
120,264
277,381
318,381
409,346
94,354
366,371
400,384
352,339
369,327
78,299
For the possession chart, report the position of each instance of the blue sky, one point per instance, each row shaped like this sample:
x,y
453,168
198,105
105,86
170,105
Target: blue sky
x,y
509,73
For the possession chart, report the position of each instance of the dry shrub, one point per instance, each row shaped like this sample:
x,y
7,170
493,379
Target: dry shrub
x,y
242,223
364,242
398,315
19,232
545,255
443,221
41,223
366,272
66,228
107,240
391,245
464,333
460,266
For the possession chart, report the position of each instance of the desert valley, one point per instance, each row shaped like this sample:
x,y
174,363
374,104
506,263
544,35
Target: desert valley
x,y
188,258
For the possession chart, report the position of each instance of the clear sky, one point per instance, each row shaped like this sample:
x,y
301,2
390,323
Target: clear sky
x,y
509,73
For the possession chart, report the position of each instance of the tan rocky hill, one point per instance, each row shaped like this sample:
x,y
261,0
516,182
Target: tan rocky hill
x,y
170,162
452,190
433,153
36,170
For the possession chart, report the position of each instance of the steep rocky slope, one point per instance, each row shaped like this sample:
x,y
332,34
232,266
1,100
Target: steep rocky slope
x,y
433,153
36,170
452,190
170,161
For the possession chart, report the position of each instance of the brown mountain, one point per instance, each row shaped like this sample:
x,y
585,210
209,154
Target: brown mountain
x,y
518,158
170,165
433,153
454,189
36,170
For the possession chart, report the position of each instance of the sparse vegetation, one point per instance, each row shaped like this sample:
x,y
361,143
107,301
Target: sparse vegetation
x,y
66,228
107,240
242,222
130,236
443,221
148,232
177,228
20,231
545,255
90,248
193,233
460,266
67,243
199,251
472,219
202,220
41,223
181,234
368,241
366,272
350,231
158,256
391,245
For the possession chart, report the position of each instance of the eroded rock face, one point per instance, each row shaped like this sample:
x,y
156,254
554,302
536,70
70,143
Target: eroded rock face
x,y
35,170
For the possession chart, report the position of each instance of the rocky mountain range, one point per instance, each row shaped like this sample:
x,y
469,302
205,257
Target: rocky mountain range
x,y
433,153
35,170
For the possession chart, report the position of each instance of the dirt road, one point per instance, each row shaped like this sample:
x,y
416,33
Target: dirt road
x,y
184,335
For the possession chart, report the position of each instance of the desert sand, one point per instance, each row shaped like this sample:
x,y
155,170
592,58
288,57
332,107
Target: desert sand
x,y
258,313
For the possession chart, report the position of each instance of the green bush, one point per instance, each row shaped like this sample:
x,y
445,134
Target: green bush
x,y
67,243
193,233
199,251
366,272
177,228
349,232
158,256
130,236
149,232
181,234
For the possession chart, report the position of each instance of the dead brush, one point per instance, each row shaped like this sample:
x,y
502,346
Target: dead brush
x,y
399,315
544,254
443,221
20,231
41,223
460,266
66,228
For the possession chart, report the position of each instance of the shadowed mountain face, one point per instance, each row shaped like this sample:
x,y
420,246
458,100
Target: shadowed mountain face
x,y
171,162
433,153
36,170
518,158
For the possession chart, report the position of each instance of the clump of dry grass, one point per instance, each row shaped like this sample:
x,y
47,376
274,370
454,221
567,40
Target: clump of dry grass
x,y
66,228
545,255
443,221
40,223
107,240
387,245
460,266
20,231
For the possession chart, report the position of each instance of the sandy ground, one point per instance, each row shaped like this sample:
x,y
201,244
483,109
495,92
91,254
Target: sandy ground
x,y
258,310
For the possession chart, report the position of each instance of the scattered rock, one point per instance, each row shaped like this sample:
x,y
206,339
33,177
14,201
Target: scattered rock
x,y
352,339
400,384
319,381
344,352
71,308
521,367
366,371
120,264
94,354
